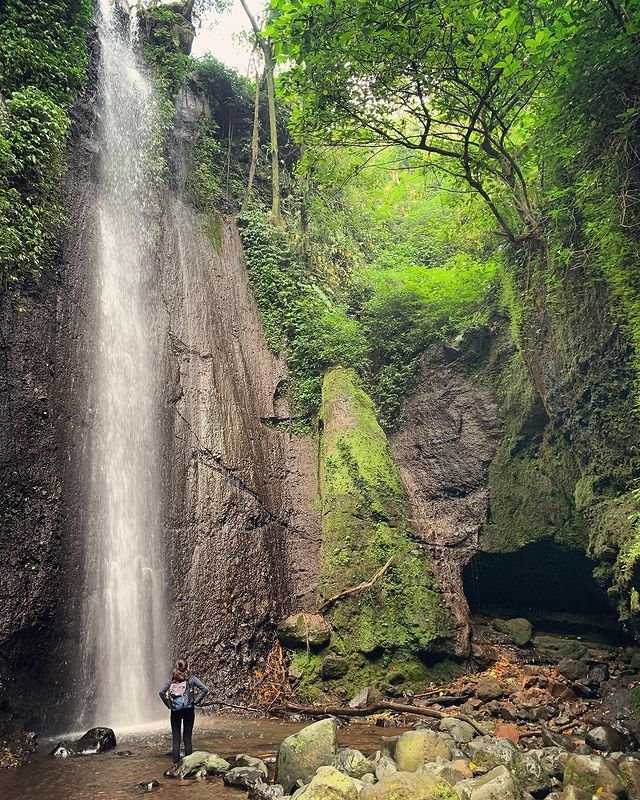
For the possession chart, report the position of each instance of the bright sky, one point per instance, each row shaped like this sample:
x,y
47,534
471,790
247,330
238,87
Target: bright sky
x,y
221,35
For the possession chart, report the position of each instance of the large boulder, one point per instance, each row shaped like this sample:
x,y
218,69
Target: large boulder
x,y
304,630
498,784
302,753
329,784
519,630
353,763
95,740
414,749
408,786
588,774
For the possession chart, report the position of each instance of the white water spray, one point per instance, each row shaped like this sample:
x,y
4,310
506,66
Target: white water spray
x,y
125,647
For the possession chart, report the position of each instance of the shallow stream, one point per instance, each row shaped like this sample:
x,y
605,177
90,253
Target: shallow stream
x,y
112,777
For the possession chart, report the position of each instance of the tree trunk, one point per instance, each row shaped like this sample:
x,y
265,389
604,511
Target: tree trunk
x,y
255,139
265,46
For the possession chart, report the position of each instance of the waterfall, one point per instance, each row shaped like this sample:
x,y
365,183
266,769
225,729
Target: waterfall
x,y
124,644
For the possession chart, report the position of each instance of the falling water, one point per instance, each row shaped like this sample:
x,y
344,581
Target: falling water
x,y
124,630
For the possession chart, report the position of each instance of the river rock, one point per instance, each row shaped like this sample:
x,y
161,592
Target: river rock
x,y
416,748
302,630
245,777
588,774
385,765
406,786
265,791
630,770
540,769
329,784
353,763
146,787
302,753
200,759
458,729
606,739
519,629
572,669
488,752
95,740
244,760
488,688
498,784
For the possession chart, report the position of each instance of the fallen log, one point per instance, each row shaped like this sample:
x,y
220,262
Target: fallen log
x,y
367,711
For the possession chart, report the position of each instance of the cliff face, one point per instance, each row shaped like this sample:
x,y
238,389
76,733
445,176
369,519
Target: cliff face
x,y
242,532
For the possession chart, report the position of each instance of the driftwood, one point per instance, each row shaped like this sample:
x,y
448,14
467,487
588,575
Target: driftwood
x,y
361,587
367,711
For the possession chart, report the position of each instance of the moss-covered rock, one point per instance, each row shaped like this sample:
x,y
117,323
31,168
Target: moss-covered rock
x,y
302,753
401,616
304,630
519,630
414,749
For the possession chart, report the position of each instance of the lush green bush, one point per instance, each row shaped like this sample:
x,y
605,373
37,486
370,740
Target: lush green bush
x,y
43,60
299,320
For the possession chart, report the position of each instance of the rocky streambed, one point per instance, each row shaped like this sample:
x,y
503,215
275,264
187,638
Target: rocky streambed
x,y
547,717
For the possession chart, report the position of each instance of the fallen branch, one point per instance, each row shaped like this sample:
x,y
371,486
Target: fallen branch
x,y
442,699
361,587
367,711
211,703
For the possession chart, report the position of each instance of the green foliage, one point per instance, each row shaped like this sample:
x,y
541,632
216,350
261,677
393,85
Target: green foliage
x,y
203,181
298,317
413,307
43,60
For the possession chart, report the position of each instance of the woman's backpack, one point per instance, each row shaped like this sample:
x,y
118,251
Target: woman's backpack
x,y
179,697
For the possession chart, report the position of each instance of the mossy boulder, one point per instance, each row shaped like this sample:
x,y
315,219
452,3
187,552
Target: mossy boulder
x,y
330,784
365,529
333,667
303,630
302,753
519,630
211,762
414,749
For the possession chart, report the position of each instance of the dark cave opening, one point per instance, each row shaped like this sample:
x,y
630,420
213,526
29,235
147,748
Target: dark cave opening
x,y
551,585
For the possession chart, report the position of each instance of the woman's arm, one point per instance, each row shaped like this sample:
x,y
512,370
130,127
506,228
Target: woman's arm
x,y
204,690
163,694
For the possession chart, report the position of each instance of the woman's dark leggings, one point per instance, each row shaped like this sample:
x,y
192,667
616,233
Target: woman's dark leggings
x,y
185,717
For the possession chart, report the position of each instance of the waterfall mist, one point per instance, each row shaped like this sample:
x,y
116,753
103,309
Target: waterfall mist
x,y
124,650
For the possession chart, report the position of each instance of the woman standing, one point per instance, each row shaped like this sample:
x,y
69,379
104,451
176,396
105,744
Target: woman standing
x,y
181,694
